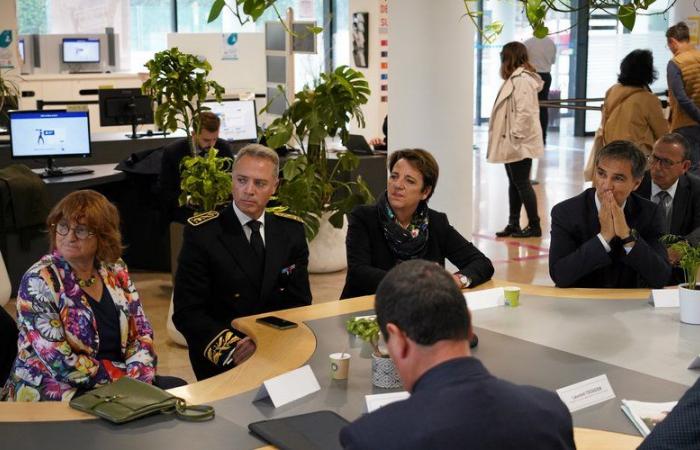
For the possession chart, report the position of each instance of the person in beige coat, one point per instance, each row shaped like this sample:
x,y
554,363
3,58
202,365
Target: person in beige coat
x,y
515,136
630,111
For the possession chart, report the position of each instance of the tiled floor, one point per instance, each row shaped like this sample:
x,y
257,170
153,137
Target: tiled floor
x,y
559,175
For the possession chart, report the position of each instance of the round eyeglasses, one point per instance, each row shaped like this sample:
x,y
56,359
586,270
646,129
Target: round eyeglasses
x,y
80,231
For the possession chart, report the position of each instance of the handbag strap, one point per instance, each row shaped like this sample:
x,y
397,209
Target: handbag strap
x,y
191,413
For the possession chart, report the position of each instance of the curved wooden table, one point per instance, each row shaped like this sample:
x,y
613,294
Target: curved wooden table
x,y
275,356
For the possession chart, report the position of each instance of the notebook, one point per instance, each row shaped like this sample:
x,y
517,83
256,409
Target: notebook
x,y
318,430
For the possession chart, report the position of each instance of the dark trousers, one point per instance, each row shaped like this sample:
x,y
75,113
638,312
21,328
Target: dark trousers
x,y
8,344
544,95
520,192
168,382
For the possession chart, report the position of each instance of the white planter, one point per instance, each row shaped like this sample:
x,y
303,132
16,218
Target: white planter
x,y
690,305
327,250
384,373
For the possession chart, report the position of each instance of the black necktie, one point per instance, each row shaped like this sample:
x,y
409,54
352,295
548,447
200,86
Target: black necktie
x,y
664,202
256,241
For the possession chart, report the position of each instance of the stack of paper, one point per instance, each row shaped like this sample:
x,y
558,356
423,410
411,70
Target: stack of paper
x,y
645,415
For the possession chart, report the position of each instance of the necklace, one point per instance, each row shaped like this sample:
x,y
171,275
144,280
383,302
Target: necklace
x,y
86,283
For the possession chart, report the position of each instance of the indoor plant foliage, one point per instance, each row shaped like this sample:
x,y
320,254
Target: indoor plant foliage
x,y
178,83
205,181
309,188
367,329
9,94
689,258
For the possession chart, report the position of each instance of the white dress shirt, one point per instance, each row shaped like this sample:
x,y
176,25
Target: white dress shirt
x,y
244,219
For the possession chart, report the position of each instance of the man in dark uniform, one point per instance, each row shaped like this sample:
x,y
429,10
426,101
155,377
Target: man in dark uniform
x,y
169,181
240,262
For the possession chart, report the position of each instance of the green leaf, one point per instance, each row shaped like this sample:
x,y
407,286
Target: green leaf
x,y
540,31
627,15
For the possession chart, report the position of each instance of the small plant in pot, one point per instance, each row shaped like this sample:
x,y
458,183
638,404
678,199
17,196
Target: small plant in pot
x,y
384,373
689,260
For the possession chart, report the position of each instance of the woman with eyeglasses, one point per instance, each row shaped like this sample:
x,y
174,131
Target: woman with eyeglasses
x,y
515,136
80,320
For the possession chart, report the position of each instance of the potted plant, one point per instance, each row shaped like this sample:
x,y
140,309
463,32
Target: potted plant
x,y
311,188
178,82
384,373
689,260
9,93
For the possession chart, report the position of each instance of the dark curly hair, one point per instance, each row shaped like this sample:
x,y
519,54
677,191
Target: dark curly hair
x,y
637,69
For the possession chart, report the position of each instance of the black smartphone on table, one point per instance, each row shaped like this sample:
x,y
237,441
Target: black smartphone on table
x,y
276,322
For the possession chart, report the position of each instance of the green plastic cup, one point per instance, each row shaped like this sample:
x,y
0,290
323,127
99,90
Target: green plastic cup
x,y
512,295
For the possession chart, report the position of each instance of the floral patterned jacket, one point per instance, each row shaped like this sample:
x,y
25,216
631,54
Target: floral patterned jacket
x,y
58,340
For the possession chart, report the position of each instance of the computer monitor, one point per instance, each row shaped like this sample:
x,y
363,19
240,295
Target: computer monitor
x,y
127,106
81,50
51,134
239,120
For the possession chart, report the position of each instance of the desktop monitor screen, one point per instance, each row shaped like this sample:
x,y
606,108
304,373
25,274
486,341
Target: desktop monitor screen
x,y
124,107
49,134
238,119
80,50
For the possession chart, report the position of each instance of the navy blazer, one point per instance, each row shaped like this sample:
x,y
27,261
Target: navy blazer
x,y
459,404
685,212
577,258
215,281
680,430
369,256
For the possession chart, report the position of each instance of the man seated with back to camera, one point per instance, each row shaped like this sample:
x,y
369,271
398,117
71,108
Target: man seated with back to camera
x,y
455,402
242,262
173,153
608,236
677,192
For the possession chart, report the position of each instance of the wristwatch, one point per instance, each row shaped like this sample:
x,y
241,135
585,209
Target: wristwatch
x,y
466,282
634,235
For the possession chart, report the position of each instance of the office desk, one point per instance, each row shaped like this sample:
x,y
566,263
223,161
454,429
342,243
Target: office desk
x,y
546,329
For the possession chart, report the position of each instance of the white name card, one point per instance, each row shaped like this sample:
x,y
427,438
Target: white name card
x,y
586,393
289,386
695,364
665,298
488,298
376,401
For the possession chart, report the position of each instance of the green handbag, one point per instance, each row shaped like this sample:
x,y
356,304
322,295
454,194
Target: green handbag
x,y
127,399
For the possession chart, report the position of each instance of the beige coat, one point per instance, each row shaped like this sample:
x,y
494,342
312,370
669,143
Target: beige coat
x,y
633,114
514,127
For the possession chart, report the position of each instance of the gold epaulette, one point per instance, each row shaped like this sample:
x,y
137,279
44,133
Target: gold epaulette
x,y
220,345
201,218
288,216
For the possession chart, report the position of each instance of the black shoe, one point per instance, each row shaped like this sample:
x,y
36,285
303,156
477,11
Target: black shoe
x,y
528,231
509,230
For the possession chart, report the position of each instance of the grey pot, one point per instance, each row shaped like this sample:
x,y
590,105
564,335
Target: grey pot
x,y
384,373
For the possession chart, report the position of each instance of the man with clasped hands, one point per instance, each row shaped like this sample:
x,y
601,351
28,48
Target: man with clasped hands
x,y
608,236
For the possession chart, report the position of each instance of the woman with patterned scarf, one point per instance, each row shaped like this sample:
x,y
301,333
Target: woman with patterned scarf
x,y
400,227
79,316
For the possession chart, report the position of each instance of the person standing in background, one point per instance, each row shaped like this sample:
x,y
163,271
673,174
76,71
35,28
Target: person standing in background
x,y
542,54
683,74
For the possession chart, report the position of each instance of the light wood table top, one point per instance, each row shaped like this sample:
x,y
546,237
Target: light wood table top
x,y
275,356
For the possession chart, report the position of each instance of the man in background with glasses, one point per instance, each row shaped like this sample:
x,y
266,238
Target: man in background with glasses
x,y
677,192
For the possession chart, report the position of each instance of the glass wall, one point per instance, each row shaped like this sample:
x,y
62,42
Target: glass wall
x,y
609,42
516,28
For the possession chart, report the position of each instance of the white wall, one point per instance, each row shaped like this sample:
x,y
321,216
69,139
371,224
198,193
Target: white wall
x,y
431,67
374,111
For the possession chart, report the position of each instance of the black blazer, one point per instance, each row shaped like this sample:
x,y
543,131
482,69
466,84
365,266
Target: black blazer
x,y
680,430
459,404
169,180
369,256
577,258
685,214
216,282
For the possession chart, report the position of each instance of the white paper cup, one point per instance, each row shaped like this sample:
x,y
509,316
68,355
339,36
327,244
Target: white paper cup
x,y
340,364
